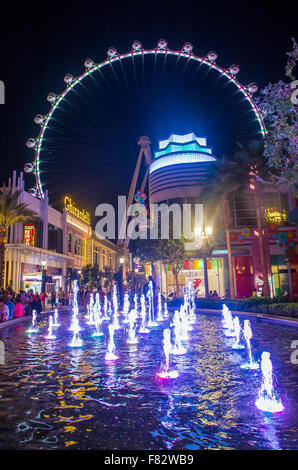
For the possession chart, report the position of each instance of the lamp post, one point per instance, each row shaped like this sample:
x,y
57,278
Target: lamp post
x,y
205,235
43,275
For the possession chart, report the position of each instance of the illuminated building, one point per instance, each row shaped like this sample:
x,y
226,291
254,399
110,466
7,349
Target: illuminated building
x,y
57,246
181,167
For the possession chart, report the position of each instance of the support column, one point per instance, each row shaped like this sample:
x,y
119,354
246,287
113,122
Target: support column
x,y
45,224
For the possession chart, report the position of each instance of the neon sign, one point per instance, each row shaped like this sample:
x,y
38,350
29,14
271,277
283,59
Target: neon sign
x,y
29,234
79,213
274,216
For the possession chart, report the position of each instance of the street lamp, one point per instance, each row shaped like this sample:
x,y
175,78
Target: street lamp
x,y
205,235
43,274
121,260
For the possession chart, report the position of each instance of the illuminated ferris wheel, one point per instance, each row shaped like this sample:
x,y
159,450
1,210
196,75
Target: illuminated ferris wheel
x,y
186,53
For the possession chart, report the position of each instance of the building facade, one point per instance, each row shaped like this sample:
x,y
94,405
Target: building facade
x,y
182,166
52,251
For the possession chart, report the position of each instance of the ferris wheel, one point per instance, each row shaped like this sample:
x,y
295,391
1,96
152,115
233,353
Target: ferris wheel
x,y
56,99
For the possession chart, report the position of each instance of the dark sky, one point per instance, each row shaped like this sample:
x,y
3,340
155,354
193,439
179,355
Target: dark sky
x,y
92,145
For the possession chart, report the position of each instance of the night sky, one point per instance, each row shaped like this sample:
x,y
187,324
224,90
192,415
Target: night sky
x,y
91,148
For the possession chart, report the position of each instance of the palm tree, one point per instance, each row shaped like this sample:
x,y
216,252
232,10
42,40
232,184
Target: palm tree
x,y
251,156
227,178
11,212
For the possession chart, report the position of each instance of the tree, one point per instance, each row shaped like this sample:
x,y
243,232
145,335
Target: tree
x,y
228,177
11,213
280,117
172,252
91,276
167,251
107,276
250,157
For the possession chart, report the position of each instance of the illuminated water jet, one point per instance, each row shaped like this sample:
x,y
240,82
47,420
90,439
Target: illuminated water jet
x,y
251,364
55,323
110,354
167,373
132,316
50,330
268,399
98,324
143,329
151,322
33,327
237,329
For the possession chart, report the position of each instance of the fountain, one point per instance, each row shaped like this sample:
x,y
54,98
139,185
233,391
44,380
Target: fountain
x,y
136,302
165,310
76,341
248,335
97,306
225,316
110,354
50,330
98,323
90,306
132,316
189,302
126,306
75,297
178,348
105,308
56,318
268,399
159,309
115,300
237,329
33,327
227,322
185,326
143,313
167,373
151,322
116,323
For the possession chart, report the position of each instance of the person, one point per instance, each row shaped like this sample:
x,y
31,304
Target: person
x,y
31,301
37,304
10,305
215,295
4,311
61,296
53,298
43,297
227,294
210,294
19,308
254,293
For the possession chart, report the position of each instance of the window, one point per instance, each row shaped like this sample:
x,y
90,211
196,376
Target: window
x,y
75,245
69,243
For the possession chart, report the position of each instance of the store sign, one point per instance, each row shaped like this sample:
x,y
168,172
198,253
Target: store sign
x,y
29,234
219,252
79,213
275,216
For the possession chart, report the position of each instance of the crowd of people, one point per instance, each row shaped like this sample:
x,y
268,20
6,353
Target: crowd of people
x,y
14,305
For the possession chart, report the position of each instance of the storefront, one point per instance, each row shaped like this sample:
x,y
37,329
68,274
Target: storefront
x,y
28,267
